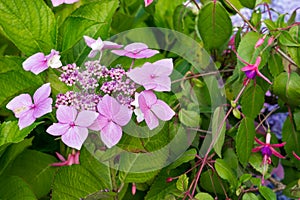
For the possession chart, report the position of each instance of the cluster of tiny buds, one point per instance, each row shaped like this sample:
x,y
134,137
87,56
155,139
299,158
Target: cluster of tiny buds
x,y
65,99
70,74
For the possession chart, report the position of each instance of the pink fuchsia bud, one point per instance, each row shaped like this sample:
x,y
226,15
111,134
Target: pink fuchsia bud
x,y
271,40
169,179
133,189
260,42
148,2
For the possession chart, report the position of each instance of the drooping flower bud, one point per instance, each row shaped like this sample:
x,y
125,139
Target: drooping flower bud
x,y
169,179
133,189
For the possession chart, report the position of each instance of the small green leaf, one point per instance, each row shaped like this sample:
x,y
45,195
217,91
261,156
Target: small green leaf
x,y
252,101
203,196
212,183
226,172
275,64
185,157
244,140
249,196
286,39
218,129
189,118
182,183
267,193
248,3
255,161
214,25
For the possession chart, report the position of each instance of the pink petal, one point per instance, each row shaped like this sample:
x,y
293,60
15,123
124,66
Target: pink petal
x,y
256,149
123,116
259,142
86,118
248,68
136,47
257,62
140,75
60,164
36,63
111,134
148,2
111,45
58,129
42,93
296,156
108,106
151,120
159,84
148,98
262,76
119,52
20,104
88,40
147,53
60,157
92,53
163,67
70,1
278,145
76,157
66,114
26,119
43,108
99,123
275,153
162,110
75,137
57,2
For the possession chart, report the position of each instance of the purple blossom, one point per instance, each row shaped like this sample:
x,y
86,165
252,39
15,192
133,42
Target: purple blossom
x,y
153,76
56,3
73,159
38,62
28,112
72,126
136,51
112,116
99,45
152,109
70,74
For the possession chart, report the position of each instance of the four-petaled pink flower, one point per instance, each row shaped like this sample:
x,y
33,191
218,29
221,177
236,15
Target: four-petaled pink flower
x,y
152,109
251,70
59,2
39,62
28,112
73,159
153,76
148,2
72,126
136,51
99,45
112,116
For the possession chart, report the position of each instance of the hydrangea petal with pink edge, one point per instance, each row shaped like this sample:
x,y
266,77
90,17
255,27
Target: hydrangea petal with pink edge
x,y
20,104
75,137
56,3
111,134
136,50
148,2
153,76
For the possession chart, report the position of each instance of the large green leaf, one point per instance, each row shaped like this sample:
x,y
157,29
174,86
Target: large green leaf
x,y
30,25
214,25
226,172
14,80
94,19
34,168
78,181
275,65
218,129
10,132
252,101
244,140
15,188
267,193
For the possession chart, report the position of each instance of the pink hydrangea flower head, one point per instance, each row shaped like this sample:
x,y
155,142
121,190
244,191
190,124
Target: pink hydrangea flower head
x,y
99,45
153,76
38,62
136,51
153,109
251,70
72,126
56,3
28,112
112,116
73,159
148,2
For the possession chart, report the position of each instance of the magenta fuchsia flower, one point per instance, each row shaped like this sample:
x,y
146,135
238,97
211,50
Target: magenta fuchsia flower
x,y
99,45
28,112
73,159
148,2
152,109
136,51
153,76
38,62
251,70
72,126
112,116
56,3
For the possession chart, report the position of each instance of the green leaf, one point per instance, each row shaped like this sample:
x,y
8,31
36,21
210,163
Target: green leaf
x,y
267,193
218,129
77,181
15,188
186,157
292,138
34,168
296,118
30,25
244,140
94,19
212,183
286,39
275,64
252,101
255,161
189,118
248,3
10,132
203,196
182,183
226,172
214,25
14,80
287,87
249,196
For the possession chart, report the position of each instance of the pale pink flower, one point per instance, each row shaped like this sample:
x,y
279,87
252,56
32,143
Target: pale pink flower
x,y
73,159
56,3
112,116
153,109
148,2
136,51
99,45
153,76
72,126
38,62
28,112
